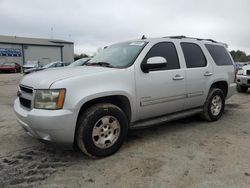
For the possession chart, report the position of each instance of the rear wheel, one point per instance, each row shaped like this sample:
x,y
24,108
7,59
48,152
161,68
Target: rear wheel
x,y
214,105
101,130
241,89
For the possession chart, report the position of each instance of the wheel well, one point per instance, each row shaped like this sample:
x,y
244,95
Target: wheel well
x,y
221,85
118,100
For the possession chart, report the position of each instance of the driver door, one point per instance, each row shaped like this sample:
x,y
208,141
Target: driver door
x,y
162,90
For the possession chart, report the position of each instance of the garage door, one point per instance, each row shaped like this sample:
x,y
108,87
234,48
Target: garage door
x,y
43,54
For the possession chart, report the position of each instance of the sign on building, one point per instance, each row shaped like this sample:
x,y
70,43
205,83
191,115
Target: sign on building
x,y
10,52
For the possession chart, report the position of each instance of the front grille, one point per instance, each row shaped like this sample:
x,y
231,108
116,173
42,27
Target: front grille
x,y
25,102
25,96
248,72
26,89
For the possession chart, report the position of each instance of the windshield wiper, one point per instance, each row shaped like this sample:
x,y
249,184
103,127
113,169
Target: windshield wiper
x,y
102,64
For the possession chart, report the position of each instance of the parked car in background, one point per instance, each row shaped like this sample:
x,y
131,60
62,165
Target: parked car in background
x,y
48,66
239,65
10,67
80,62
243,79
30,65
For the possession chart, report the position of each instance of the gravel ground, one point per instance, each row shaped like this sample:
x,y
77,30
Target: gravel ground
x,y
185,153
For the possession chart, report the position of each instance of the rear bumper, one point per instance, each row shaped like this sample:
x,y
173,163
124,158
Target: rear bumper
x,y
57,126
231,90
243,80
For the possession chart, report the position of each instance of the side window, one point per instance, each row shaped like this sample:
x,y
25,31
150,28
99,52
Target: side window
x,y
166,50
193,54
219,54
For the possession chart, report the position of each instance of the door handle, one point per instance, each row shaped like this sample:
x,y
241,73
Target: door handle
x,y
178,77
208,73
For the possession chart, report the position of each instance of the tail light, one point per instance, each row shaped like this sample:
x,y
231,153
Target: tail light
x,y
235,73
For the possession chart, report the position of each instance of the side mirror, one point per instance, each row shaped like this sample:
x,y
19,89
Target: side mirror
x,y
153,63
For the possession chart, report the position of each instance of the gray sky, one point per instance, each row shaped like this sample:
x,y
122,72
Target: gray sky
x,y
97,23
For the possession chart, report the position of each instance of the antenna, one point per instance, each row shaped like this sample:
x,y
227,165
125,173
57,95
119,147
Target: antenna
x,y
143,37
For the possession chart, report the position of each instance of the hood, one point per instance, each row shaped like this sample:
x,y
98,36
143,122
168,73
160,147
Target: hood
x,y
44,79
246,67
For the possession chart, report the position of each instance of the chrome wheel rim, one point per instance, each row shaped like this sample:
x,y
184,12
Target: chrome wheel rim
x,y
216,105
106,131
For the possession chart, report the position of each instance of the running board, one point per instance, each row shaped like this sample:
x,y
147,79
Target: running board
x,y
164,119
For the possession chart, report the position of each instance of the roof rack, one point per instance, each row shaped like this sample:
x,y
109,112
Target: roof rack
x,y
176,37
184,37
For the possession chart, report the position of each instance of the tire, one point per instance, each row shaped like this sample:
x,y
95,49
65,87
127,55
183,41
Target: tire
x,y
241,89
111,126
212,110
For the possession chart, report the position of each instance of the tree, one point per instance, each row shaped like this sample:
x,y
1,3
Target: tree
x,y
248,58
240,56
77,56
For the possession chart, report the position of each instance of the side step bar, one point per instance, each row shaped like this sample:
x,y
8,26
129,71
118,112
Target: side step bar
x,y
164,119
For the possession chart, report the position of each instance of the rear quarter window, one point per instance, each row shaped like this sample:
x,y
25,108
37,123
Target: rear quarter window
x,y
219,54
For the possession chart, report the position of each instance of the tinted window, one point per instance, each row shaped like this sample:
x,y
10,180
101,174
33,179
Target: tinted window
x,y
219,54
166,50
193,54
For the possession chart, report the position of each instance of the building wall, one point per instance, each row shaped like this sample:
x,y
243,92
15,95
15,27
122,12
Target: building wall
x,y
44,54
4,59
68,53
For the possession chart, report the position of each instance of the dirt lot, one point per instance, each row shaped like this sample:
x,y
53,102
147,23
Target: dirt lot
x,y
184,153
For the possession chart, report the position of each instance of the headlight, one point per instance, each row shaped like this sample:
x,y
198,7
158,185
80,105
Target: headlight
x,y
240,72
49,99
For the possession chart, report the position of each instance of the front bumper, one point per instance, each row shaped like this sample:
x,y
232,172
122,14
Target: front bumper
x,y
55,126
243,80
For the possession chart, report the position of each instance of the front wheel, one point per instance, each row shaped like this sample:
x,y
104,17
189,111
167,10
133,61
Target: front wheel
x,y
214,105
101,130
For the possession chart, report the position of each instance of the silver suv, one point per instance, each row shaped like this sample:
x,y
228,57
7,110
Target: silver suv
x,y
131,84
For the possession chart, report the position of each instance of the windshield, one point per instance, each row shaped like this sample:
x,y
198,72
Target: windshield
x,y
79,62
118,55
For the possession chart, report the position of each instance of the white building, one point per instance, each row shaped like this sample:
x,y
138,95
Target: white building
x,y
21,50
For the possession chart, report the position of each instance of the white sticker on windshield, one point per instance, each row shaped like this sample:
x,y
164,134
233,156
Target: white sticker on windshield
x,y
137,43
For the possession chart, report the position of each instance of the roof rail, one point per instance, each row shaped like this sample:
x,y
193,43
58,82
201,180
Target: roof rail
x,y
176,37
182,36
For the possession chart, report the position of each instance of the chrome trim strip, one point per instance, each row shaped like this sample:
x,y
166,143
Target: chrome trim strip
x,y
26,96
145,101
161,100
195,94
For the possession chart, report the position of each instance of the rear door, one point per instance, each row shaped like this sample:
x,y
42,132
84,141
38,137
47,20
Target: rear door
x,y
198,72
225,69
